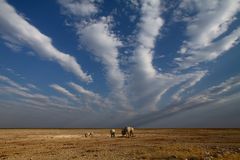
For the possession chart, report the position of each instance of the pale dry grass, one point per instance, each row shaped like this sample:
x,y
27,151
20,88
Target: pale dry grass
x,y
147,144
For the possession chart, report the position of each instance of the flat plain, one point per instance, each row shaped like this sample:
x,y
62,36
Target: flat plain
x,y
169,144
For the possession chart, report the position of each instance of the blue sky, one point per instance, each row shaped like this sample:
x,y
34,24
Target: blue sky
x,y
98,63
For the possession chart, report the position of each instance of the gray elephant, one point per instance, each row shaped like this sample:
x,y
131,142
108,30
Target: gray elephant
x,y
112,133
128,131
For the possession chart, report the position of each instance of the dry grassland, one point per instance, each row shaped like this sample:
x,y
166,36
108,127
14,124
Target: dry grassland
x,y
154,144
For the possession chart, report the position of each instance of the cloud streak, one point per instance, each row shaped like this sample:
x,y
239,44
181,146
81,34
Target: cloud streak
x,y
146,85
12,83
104,45
213,96
78,8
91,99
81,90
212,19
27,35
192,81
122,45
26,97
149,27
63,91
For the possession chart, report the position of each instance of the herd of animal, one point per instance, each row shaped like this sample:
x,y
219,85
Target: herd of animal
x,y
126,131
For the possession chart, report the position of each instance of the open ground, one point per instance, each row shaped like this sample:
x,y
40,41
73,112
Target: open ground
x,y
63,144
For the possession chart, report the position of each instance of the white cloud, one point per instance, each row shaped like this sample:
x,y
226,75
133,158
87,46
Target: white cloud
x,y
193,80
225,86
25,34
213,96
133,4
78,8
209,20
136,85
37,106
13,47
217,92
33,100
211,52
149,27
150,23
97,37
12,83
63,91
90,98
30,98
32,86
102,43
12,87
212,20
145,85
81,90
21,93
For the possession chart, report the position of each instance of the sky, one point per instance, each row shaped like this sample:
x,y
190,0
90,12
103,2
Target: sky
x,y
100,63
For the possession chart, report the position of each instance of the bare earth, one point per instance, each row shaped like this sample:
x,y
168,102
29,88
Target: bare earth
x,y
170,144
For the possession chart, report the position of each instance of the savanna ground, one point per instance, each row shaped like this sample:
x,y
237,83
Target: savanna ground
x,y
63,144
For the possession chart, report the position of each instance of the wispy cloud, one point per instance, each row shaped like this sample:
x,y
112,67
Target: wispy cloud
x,y
90,98
12,83
125,43
209,53
30,108
24,95
63,91
149,27
13,47
211,20
13,88
217,93
102,43
222,89
81,90
27,35
192,81
214,95
146,84
98,38
79,8
32,86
